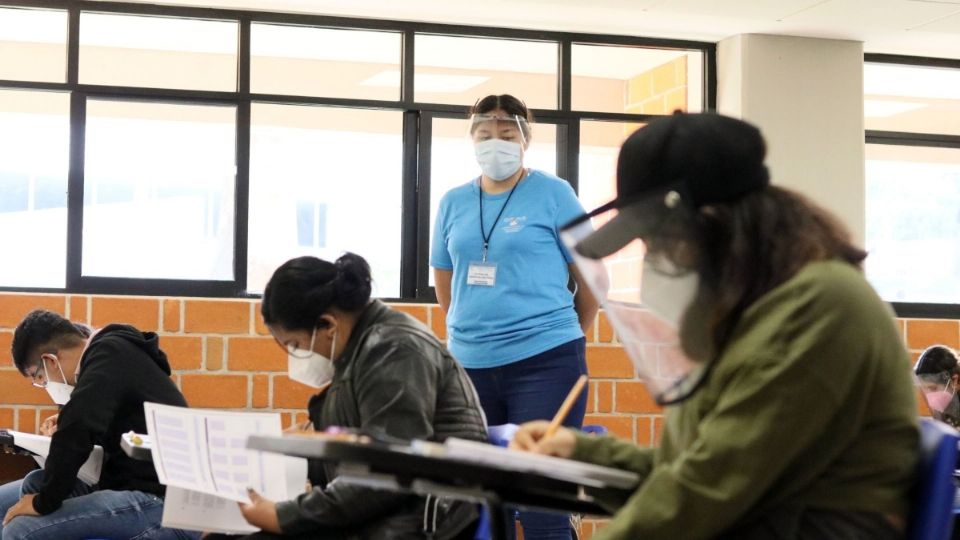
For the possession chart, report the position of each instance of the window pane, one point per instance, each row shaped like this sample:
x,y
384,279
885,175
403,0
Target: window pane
x,y
159,191
460,70
633,80
324,180
158,52
917,99
599,147
34,160
307,61
913,223
454,163
33,45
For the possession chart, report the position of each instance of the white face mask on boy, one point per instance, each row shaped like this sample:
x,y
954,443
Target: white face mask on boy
x,y
309,367
59,391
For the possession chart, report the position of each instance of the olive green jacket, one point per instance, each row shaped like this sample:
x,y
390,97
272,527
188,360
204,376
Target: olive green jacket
x,y
810,406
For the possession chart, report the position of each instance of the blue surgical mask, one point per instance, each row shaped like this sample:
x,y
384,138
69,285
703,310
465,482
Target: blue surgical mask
x,y
499,159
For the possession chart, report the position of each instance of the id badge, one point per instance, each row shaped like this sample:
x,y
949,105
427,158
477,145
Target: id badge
x,y
482,273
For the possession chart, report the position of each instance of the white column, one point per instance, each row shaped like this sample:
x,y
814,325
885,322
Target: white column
x,y
806,95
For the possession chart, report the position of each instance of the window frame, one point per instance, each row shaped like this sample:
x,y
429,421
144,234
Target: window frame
x,y
415,196
921,310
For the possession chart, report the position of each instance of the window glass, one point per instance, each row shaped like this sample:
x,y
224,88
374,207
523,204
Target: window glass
x,y
34,161
461,70
33,45
304,61
913,223
325,180
158,52
159,190
620,79
917,99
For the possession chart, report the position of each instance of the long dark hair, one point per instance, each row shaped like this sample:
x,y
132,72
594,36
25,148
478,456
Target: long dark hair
x,y
303,289
756,243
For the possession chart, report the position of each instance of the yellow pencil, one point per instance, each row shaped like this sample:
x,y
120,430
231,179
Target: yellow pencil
x,y
567,405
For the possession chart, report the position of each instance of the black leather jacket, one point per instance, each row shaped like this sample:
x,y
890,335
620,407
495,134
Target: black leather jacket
x,y
393,377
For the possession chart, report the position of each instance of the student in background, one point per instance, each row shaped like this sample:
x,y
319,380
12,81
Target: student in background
x,y
502,279
381,372
789,412
938,372
101,380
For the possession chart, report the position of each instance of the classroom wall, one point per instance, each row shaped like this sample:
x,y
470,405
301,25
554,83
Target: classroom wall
x,y
223,357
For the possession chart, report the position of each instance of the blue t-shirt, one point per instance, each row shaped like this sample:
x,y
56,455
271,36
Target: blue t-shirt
x,y
529,310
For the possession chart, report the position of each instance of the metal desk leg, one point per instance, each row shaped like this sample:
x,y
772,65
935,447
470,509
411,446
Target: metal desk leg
x,y
498,522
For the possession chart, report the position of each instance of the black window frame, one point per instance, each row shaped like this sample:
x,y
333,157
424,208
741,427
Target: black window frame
x,y
415,196
919,310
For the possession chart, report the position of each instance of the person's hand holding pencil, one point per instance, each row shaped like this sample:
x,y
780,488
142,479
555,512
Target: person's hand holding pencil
x,y
550,438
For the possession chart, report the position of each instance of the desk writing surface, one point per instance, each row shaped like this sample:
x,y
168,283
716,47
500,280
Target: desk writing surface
x,y
486,473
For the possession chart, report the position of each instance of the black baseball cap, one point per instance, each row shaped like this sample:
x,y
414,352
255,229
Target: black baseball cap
x,y
687,160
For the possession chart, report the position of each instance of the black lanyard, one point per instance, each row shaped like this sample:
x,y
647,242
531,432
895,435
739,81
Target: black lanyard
x,y
486,236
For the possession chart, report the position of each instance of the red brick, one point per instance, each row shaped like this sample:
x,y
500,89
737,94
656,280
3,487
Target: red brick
x,y
609,362
258,326
255,354
289,394
143,313
633,397
604,396
216,316
6,341
218,391
18,390
261,391
214,353
922,333
300,417
78,309
7,418
27,420
418,312
13,307
591,397
644,431
171,315
604,329
438,322
618,425
183,352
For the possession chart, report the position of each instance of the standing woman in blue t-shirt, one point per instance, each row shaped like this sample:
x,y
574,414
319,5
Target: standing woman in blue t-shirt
x,y
502,278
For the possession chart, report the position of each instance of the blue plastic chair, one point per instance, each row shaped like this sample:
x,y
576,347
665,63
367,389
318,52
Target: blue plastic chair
x,y
931,517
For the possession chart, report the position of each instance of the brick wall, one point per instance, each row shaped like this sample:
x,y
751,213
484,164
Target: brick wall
x,y
223,357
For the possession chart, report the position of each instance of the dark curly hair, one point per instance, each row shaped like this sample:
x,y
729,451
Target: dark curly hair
x,y
44,331
303,289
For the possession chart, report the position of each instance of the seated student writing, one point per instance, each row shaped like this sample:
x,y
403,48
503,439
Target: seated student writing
x,y
101,380
790,413
383,372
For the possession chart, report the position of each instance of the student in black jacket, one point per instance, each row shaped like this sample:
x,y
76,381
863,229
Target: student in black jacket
x,y
377,370
101,381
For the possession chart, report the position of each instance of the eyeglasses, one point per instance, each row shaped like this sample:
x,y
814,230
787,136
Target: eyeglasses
x,y
39,378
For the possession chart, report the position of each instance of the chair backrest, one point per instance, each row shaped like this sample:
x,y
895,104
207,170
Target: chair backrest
x,y
931,517
594,429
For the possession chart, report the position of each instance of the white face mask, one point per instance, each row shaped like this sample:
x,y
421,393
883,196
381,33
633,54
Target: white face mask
x,y
59,391
309,367
668,297
498,159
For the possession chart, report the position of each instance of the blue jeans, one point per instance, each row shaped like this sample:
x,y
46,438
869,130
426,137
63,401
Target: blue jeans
x,y
90,513
533,389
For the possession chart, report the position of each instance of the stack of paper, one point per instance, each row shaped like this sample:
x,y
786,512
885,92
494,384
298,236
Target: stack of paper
x,y
39,445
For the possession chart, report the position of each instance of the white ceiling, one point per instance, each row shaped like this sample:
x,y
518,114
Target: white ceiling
x,y
912,27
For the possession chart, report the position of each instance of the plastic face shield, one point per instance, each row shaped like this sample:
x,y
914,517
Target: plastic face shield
x,y
640,317
505,127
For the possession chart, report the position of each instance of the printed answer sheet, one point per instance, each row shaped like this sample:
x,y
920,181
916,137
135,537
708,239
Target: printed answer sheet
x,y
205,451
